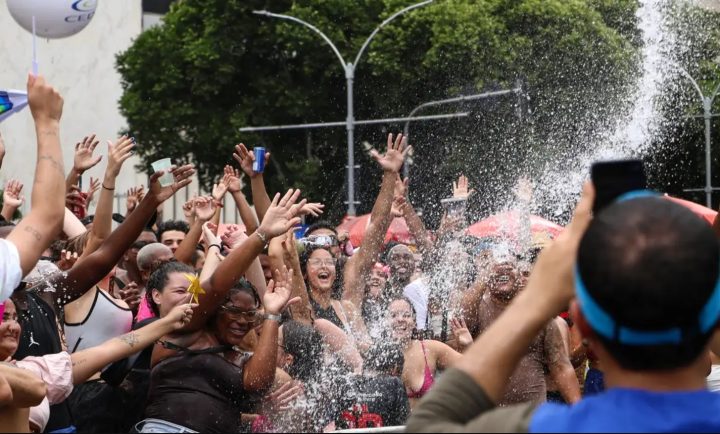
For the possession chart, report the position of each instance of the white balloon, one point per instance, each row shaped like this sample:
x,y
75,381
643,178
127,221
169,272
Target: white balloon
x,y
53,18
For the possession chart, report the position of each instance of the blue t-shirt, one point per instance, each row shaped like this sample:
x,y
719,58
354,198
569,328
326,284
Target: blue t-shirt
x,y
631,410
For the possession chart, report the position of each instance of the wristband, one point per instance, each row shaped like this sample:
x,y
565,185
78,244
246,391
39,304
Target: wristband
x,y
273,317
262,237
111,189
215,245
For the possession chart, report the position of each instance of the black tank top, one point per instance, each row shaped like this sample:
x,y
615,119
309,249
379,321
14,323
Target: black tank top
x,y
328,314
200,390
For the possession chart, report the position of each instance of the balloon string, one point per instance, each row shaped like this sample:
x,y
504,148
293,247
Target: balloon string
x,y
34,46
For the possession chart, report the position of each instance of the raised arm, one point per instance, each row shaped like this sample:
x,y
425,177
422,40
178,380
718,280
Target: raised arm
x,y
234,185
204,210
96,266
12,198
281,216
87,362
283,253
261,200
359,265
118,153
83,160
259,371
42,225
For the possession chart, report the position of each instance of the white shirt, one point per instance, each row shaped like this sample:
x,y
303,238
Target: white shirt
x,y
417,292
10,271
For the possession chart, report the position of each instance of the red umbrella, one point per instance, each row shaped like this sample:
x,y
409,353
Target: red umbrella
x,y
346,224
507,224
702,211
398,231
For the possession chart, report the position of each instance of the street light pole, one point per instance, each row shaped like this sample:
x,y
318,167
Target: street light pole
x,y
349,69
406,129
707,102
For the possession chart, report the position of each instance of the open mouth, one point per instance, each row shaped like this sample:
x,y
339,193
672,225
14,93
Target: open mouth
x,y
503,279
324,276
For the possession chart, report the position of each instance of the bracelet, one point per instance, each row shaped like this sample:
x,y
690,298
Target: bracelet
x,y
262,237
273,317
215,245
103,186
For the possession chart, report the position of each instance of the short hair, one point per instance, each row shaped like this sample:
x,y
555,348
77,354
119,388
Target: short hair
x,y
321,224
172,225
147,255
159,278
651,265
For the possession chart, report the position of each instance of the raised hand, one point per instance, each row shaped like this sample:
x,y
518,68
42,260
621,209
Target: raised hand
x,y
208,231
393,159
134,196
67,260
118,153
181,179
90,194
401,187
314,209
45,102
461,332
232,179
460,188
84,158
75,199
204,208
398,206
277,295
189,210
11,194
246,160
233,237
282,214
218,191
130,294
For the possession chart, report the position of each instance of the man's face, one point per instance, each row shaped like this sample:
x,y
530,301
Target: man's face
x,y
402,263
172,239
508,278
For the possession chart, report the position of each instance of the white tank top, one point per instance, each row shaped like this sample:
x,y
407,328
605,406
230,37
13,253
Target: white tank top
x,y
105,321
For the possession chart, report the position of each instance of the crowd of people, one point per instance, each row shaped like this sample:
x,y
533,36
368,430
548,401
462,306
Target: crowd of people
x,y
195,325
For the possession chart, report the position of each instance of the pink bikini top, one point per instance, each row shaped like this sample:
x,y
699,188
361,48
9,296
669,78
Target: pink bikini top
x,y
428,381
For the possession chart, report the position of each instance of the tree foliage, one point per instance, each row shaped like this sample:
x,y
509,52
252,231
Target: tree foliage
x,y
214,67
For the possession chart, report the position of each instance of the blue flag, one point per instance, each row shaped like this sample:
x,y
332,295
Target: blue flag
x,y
11,101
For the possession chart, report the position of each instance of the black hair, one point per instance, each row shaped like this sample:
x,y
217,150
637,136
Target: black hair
x,y
172,225
245,286
321,224
651,265
159,278
304,343
386,358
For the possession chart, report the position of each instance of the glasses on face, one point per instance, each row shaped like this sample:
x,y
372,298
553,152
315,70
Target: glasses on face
x,y
328,262
251,316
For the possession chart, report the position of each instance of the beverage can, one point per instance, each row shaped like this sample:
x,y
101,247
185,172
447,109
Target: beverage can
x,y
259,163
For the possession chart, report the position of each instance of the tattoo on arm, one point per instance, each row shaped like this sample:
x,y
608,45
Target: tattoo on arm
x,y
48,133
130,339
57,165
34,232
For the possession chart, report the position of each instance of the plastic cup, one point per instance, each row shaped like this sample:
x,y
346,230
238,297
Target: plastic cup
x,y
167,179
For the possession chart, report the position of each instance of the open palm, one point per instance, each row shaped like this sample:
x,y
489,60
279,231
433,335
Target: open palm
x,y
393,158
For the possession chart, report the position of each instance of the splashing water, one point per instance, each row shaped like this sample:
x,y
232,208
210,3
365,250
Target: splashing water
x,y
634,130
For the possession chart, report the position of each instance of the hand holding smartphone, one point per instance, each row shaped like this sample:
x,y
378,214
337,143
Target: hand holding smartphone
x,y
612,179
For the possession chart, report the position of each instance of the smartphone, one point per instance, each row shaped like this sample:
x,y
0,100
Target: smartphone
x,y
454,207
612,179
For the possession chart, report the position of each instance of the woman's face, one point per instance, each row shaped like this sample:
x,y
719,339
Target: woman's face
x,y
321,270
402,320
173,294
237,317
9,331
376,283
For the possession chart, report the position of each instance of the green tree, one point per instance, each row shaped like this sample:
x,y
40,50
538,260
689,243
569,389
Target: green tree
x,y
214,67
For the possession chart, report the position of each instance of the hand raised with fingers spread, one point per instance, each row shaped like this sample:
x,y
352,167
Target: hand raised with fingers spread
x,y
246,159
84,158
118,153
232,180
461,189
181,177
314,209
282,214
132,200
393,159
90,194
461,332
67,260
204,208
11,194
277,295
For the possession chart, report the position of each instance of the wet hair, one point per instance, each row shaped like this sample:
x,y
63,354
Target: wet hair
x,y
172,225
651,265
322,224
304,343
159,278
386,358
244,286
